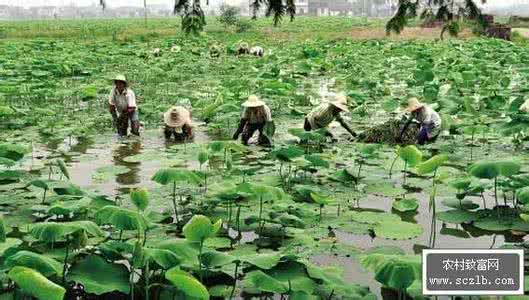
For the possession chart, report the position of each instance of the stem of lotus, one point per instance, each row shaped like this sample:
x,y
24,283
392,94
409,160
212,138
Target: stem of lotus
x,y
147,271
206,181
496,191
174,202
131,280
321,208
120,235
234,280
49,175
200,259
405,170
472,147
260,213
229,213
484,201
44,196
238,221
392,165
65,265
338,211
330,296
359,170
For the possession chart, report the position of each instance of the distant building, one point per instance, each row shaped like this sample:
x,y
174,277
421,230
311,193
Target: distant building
x,y
302,7
330,7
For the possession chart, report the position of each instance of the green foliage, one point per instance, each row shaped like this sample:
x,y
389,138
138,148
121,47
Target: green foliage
x,y
35,284
121,218
100,277
140,198
43,264
53,232
169,176
187,283
410,155
200,228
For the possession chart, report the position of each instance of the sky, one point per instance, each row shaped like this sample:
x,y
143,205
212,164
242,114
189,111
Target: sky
x,y
113,3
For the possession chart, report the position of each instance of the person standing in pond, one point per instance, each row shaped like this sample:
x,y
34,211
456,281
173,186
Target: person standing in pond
x,y
427,118
255,116
177,122
326,113
122,106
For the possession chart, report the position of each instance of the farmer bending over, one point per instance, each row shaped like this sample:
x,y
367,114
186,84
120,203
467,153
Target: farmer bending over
x,y
426,117
177,121
122,105
325,113
255,115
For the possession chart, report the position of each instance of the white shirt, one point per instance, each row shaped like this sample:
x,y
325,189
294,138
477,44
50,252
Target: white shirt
x,y
123,100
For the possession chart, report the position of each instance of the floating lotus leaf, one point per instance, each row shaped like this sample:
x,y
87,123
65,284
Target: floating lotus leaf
x,y
265,283
405,205
374,217
463,204
397,230
457,216
106,173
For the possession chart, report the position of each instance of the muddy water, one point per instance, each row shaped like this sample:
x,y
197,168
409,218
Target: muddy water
x,y
84,157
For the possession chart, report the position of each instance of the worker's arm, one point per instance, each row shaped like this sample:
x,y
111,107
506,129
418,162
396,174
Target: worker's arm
x,y
408,123
242,123
345,125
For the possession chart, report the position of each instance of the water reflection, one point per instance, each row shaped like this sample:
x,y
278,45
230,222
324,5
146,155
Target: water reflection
x,y
124,150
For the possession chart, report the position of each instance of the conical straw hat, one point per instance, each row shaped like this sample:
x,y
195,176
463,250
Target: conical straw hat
x,y
253,101
177,116
413,105
340,101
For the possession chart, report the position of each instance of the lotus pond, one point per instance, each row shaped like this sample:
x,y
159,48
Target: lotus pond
x,y
88,215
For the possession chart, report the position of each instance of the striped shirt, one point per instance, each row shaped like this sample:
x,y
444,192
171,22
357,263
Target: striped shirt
x,y
322,116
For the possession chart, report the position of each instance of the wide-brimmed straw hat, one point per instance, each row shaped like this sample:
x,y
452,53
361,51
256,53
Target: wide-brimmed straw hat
x,y
177,116
253,101
340,101
120,78
413,105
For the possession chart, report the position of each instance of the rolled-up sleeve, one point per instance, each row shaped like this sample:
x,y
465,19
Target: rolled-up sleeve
x,y
111,99
268,114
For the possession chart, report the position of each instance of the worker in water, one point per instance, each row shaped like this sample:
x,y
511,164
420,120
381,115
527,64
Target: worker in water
x,y
426,117
122,106
255,116
177,122
326,113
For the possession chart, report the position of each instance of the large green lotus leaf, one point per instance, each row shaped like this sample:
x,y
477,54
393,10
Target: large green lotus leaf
x,y
523,195
458,233
405,205
457,216
214,259
45,265
106,173
140,198
355,227
317,161
293,274
432,164
494,221
263,282
121,218
221,291
384,189
184,249
369,217
397,230
387,250
12,151
169,176
320,199
508,168
68,207
463,204
302,296
186,283
100,277
164,258
8,244
203,156
54,231
287,154
263,261
484,169
395,274
35,284
200,228
411,155
461,183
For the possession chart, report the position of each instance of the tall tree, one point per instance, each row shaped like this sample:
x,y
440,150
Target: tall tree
x,y
448,11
